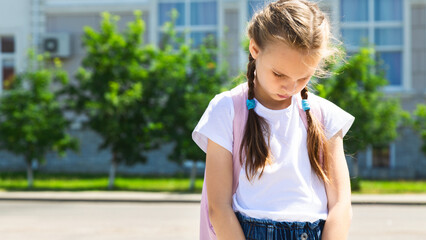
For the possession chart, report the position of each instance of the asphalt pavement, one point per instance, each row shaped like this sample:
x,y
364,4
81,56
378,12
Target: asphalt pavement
x,y
42,220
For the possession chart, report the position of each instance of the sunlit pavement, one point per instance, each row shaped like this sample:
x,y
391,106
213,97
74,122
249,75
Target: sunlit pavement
x,y
390,222
38,220
81,220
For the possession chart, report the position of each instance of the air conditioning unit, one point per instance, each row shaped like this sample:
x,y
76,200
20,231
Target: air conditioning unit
x,y
57,44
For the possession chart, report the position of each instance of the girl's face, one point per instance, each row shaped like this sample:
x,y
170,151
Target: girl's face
x,y
280,73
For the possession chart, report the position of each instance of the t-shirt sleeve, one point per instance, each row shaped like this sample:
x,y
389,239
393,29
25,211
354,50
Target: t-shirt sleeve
x,y
335,118
216,123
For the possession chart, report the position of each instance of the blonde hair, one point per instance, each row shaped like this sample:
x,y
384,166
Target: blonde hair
x,y
301,25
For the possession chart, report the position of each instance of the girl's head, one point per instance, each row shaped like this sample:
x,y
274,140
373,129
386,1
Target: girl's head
x,y
290,41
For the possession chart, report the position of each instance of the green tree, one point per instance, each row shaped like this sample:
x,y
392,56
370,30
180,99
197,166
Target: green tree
x,y
31,117
419,123
117,90
195,80
356,87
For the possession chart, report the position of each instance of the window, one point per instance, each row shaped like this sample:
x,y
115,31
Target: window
x,y
203,13
196,21
7,45
164,10
381,156
7,60
379,22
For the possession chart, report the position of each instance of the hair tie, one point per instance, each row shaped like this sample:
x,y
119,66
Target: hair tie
x,y
305,104
250,103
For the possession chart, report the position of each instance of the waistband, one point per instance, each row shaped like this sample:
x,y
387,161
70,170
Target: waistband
x,y
283,224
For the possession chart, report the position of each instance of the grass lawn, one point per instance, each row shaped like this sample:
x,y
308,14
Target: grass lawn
x,y
379,187
84,182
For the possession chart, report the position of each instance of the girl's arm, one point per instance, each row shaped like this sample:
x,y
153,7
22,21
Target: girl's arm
x,y
338,193
219,174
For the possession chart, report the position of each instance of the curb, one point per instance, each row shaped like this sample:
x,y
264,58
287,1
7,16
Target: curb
x,y
96,200
153,197
389,199
101,196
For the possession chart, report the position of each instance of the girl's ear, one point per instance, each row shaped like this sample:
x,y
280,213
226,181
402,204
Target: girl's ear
x,y
253,48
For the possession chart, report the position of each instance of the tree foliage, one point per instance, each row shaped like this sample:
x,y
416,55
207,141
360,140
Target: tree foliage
x,y
419,123
31,118
356,87
117,90
197,78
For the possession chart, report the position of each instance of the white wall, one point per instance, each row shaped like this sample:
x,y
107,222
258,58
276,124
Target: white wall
x,y
15,19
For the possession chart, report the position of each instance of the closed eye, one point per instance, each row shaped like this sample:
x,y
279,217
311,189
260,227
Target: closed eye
x,y
284,76
278,75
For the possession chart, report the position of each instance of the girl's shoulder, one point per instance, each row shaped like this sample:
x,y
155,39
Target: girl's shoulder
x,y
324,104
335,118
216,123
314,97
222,102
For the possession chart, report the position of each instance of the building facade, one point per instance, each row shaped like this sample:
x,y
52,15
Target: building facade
x,y
397,28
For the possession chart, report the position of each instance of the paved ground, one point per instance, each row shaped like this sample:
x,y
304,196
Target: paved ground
x,y
388,222
44,220
97,221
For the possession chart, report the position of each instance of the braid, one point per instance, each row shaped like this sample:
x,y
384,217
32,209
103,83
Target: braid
x,y
304,94
255,148
316,142
251,67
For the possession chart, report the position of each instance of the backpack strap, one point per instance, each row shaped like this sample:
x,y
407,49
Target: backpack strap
x,y
239,95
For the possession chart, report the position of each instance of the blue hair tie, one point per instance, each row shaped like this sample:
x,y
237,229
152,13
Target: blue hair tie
x,y
305,104
250,103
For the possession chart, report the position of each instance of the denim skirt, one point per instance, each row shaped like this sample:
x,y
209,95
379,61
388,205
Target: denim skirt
x,y
266,229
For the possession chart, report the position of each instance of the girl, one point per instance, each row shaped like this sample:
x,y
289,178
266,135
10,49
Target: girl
x,y
275,165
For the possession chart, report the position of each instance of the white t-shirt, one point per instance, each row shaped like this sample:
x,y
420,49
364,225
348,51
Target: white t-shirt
x,y
289,189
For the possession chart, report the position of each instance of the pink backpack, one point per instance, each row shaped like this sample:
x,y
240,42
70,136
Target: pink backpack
x,y
239,97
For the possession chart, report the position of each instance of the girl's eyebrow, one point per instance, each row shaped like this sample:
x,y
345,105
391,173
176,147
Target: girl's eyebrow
x,y
285,74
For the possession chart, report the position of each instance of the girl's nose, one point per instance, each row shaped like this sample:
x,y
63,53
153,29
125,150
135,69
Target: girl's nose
x,y
289,87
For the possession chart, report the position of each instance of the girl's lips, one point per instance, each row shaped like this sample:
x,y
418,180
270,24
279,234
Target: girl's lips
x,y
283,96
